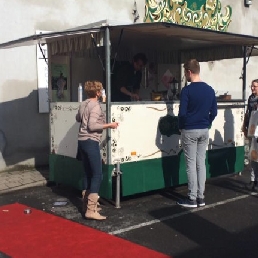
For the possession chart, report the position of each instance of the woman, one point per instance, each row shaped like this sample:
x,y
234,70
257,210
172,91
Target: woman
x,y
92,121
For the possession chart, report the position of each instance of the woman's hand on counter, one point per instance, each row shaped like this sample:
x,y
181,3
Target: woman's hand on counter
x,y
113,125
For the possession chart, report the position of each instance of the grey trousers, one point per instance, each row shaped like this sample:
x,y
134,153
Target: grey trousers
x,y
194,144
252,175
254,172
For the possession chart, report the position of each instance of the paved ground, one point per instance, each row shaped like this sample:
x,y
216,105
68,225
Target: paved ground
x,y
15,180
226,227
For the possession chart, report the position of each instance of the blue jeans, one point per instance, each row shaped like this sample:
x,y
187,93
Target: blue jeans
x,y
194,144
92,164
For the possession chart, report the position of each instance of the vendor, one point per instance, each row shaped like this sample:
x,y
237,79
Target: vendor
x,y
127,80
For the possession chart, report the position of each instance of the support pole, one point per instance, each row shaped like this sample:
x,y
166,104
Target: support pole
x,y
117,173
246,142
108,91
244,74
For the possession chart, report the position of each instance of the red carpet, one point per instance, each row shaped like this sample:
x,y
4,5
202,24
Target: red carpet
x,y
40,234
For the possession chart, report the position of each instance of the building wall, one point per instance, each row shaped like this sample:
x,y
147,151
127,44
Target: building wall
x,y
229,72
244,19
24,132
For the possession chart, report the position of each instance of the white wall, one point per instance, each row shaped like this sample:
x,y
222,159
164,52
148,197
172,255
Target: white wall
x,y
224,75
244,19
24,132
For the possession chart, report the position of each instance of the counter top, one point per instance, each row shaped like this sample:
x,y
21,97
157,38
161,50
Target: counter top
x,y
231,100
170,102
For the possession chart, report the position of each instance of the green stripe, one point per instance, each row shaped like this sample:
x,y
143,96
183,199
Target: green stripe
x,y
69,171
147,175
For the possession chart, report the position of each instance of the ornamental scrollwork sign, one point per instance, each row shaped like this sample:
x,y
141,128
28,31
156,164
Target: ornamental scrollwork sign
x,y
206,14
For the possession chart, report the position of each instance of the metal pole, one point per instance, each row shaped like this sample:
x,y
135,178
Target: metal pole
x,y
108,116
244,74
118,185
246,143
108,91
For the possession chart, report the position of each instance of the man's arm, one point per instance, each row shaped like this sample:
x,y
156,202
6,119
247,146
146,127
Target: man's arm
x,y
136,89
245,124
127,92
136,94
244,128
122,82
182,108
214,109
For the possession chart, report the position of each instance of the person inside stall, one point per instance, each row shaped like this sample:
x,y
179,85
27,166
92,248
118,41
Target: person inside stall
x,y
127,79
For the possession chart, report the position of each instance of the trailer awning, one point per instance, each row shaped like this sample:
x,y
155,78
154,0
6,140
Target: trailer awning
x,y
167,37
198,35
190,36
170,39
45,38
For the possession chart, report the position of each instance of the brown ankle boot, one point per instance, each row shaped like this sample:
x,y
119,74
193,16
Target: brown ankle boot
x,y
85,195
92,212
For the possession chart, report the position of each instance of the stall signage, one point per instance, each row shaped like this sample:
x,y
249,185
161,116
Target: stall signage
x,y
206,14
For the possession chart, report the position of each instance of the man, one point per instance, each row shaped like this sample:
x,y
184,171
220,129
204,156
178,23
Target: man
x,y
128,79
252,105
198,108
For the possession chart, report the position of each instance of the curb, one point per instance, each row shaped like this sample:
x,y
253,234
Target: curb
x,y
38,183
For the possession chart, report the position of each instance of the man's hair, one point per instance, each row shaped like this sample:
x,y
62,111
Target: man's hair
x,y
140,56
192,65
255,80
92,87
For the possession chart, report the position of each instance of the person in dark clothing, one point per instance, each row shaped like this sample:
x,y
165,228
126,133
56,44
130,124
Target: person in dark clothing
x,y
197,110
127,80
252,105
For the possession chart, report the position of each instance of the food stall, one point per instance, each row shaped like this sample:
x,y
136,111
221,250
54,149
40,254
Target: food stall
x,y
147,143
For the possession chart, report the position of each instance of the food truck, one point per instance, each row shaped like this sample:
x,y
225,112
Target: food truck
x,y
145,152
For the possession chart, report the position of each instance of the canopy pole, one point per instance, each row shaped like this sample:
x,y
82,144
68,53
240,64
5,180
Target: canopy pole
x,y
108,89
244,74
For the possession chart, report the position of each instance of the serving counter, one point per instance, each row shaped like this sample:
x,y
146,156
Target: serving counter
x,y
147,143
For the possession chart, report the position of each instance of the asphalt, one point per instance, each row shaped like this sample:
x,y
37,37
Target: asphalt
x,y
226,227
